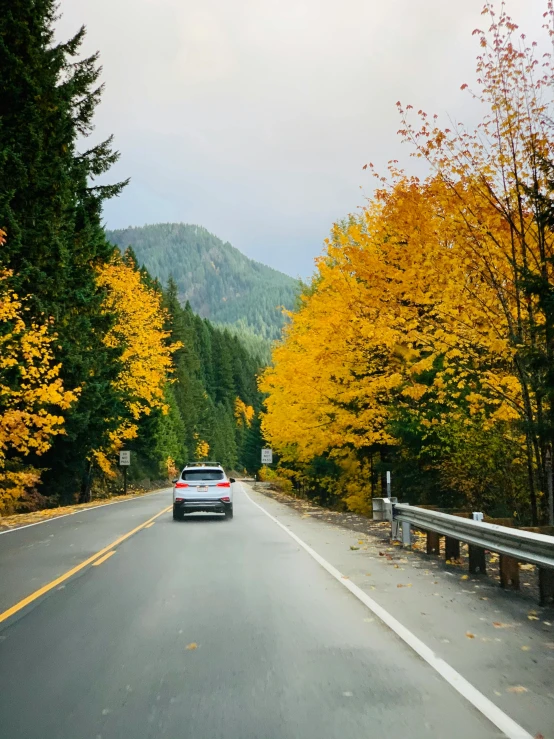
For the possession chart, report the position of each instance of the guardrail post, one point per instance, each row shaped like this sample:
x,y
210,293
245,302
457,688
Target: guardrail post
x,y
406,534
451,548
477,560
546,586
509,572
433,542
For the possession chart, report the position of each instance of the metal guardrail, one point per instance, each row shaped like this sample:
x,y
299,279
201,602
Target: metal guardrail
x,y
513,545
525,546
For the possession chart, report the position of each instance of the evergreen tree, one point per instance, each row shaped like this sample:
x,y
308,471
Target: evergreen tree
x,y
212,370
51,211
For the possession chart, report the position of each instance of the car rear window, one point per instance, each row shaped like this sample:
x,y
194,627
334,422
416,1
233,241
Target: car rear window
x,y
206,474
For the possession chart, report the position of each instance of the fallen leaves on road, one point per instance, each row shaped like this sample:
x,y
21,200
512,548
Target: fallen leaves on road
x,y
517,689
500,625
549,644
532,616
400,585
354,549
470,635
464,577
191,646
525,649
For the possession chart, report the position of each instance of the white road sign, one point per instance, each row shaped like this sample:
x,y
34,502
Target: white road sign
x,y
124,459
267,456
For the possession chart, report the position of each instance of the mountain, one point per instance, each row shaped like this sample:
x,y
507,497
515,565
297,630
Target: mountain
x,y
218,281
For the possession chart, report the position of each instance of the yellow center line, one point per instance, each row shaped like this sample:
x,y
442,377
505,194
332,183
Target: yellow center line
x,y
62,578
104,558
149,524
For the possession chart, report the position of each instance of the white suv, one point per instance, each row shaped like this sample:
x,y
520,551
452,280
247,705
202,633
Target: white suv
x,y
202,487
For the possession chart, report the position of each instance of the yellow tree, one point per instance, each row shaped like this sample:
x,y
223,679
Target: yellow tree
x,y
497,192
32,396
393,301
146,360
439,296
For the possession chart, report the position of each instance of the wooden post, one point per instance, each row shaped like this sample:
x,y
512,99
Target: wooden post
x,y
546,586
451,548
477,560
509,572
433,542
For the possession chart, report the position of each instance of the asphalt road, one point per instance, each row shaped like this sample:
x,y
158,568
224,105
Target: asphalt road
x,y
202,629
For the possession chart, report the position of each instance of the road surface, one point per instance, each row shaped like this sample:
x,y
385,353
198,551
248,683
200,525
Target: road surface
x,y
202,629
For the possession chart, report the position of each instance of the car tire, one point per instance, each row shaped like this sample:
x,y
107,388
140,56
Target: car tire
x,y
177,514
229,513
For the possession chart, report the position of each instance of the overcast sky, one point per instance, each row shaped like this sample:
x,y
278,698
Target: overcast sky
x,y
254,118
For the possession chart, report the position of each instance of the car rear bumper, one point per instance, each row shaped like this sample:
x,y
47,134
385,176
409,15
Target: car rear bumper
x,y
208,506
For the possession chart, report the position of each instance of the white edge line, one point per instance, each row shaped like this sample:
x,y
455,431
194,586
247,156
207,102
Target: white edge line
x,y
495,715
80,510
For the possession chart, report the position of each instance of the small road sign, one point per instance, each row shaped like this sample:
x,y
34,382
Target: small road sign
x,y
267,456
124,459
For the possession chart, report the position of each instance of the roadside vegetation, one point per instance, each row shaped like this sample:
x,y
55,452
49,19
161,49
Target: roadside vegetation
x,y
96,355
425,343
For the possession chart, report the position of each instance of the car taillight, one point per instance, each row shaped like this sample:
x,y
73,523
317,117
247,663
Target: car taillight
x,y
223,484
179,500
181,484
225,499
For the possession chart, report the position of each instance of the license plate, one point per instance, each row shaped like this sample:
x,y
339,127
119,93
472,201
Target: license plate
x,y
202,489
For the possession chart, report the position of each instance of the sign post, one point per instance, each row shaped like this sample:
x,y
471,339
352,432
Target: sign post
x,y
124,461
388,484
267,456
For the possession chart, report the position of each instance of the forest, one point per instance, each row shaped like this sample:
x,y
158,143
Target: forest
x,y
96,354
425,344
220,282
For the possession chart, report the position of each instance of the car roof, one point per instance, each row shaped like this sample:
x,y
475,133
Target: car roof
x,y
199,465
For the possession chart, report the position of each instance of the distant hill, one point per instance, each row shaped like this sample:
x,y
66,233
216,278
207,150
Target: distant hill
x,y
218,280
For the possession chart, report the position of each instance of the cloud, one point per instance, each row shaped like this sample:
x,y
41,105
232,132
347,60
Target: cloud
x,y
255,117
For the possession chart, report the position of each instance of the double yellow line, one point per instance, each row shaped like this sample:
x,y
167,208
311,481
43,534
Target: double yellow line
x,y
91,560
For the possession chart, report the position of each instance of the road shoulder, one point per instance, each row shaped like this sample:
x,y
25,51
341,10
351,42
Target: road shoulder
x,y
485,634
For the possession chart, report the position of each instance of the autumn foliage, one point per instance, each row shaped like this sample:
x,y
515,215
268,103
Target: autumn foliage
x,y
146,358
31,392
425,343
